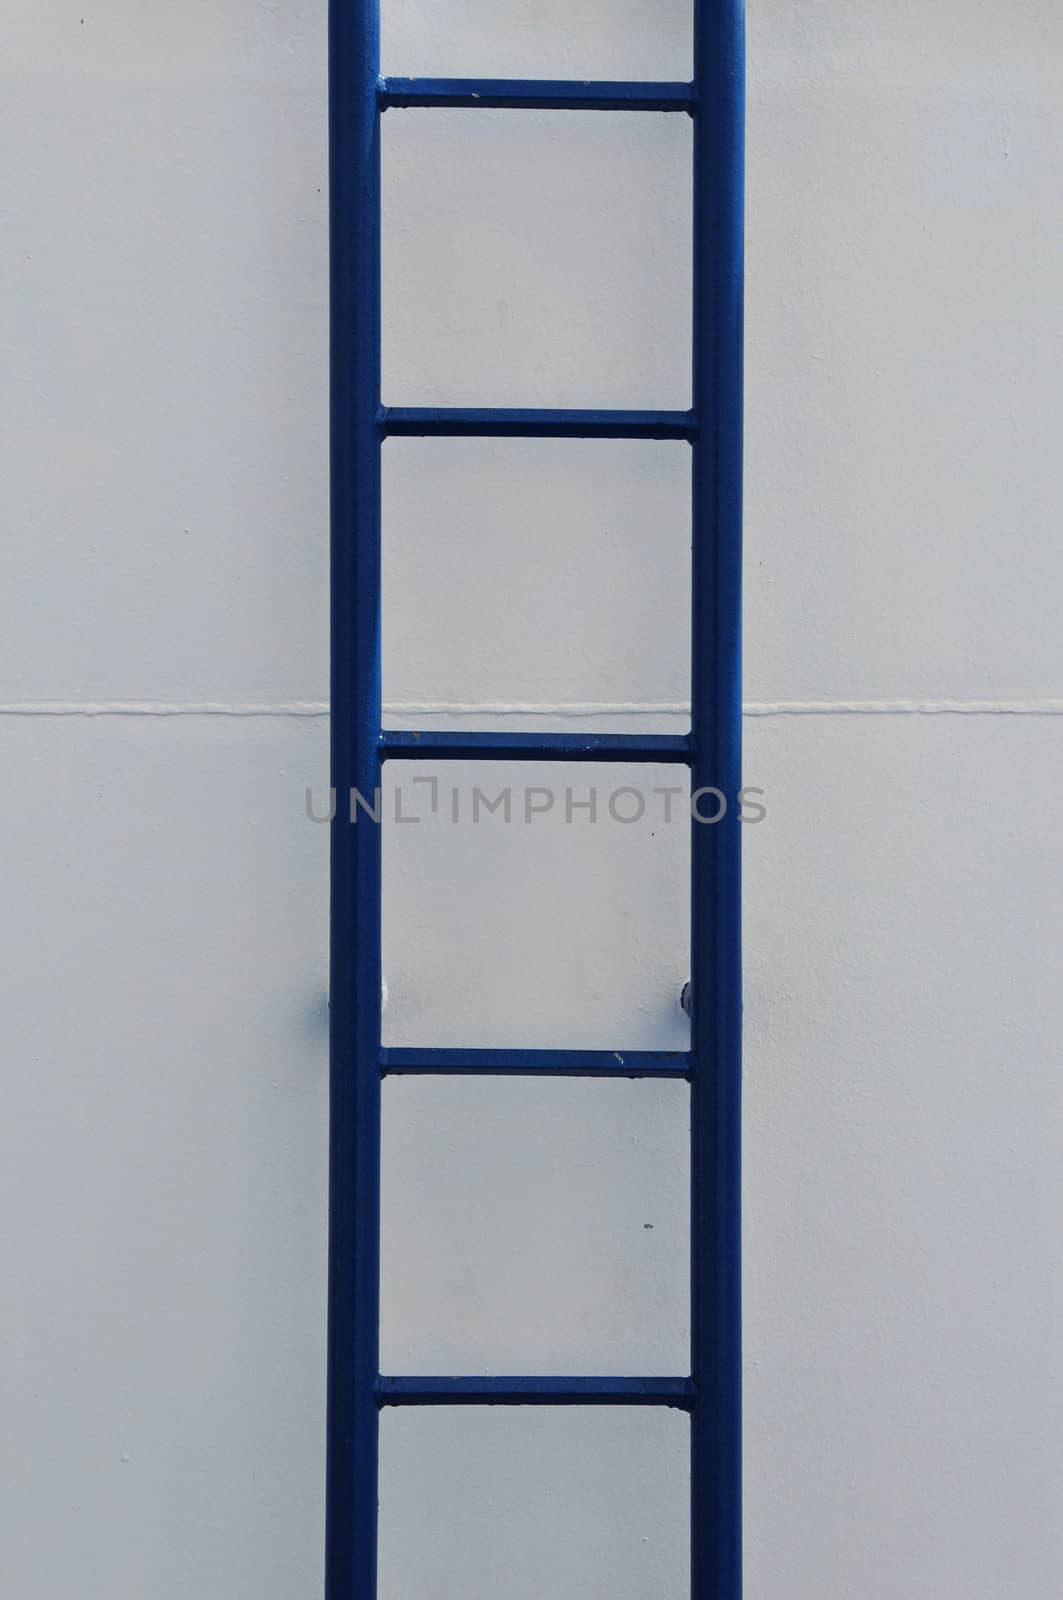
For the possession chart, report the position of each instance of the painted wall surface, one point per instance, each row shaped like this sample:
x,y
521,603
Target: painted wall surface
x,y
163,674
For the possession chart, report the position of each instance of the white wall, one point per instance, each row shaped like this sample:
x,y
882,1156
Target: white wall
x,y
163,671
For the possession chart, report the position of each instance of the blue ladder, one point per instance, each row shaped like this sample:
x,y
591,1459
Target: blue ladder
x,y
711,1393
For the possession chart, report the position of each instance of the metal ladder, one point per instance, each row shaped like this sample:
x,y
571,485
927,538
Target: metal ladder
x,y
711,1392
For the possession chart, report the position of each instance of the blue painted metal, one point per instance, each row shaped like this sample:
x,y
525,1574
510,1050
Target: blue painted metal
x,y
409,744
460,422
540,1063
357,1390
716,725
354,1077
536,94
523,1391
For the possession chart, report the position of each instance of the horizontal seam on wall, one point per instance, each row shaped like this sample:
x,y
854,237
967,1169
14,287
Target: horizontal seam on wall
x,y
408,710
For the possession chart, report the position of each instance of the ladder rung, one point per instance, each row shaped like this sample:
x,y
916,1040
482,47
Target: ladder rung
x,y
536,1392
536,94
408,744
541,1063
505,423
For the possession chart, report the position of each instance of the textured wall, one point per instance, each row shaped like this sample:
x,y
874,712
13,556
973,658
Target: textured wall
x,y
163,670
